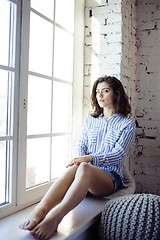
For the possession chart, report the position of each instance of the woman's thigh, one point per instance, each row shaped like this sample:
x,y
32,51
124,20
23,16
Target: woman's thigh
x,y
101,182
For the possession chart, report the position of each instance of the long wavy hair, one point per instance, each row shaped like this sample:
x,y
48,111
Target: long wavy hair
x,y
120,99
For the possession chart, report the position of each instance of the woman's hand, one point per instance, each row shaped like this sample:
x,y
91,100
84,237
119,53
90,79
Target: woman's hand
x,y
78,160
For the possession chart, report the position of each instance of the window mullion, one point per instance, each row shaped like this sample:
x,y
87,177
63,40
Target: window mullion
x,y
23,96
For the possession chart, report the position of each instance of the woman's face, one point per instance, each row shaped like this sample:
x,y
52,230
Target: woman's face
x,y
105,95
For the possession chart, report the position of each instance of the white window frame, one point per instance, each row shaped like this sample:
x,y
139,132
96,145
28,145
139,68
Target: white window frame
x,y
8,208
21,198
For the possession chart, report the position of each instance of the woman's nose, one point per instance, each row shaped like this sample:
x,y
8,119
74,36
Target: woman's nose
x,y
101,94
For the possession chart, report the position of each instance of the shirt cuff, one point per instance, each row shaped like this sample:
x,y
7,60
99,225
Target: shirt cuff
x,y
95,159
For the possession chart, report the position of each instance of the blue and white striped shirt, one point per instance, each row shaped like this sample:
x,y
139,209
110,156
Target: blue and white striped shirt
x,y
107,141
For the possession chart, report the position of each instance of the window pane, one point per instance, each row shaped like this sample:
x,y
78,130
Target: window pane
x,y
65,13
5,158
3,171
63,55
45,7
38,158
39,105
6,102
62,107
60,155
7,29
41,44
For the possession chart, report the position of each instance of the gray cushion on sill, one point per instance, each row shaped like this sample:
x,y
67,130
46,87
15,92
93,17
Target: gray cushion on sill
x,y
131,217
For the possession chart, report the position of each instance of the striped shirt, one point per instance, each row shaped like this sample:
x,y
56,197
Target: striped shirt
x,y
107,141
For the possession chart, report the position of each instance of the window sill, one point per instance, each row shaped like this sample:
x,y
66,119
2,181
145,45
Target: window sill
x,y
75,225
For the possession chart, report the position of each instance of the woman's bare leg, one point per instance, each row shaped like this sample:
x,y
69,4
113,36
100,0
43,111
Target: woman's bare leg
x,y
87,178
54,195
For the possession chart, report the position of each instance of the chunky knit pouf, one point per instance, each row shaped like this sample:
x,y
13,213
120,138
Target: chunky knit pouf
x,y
131,217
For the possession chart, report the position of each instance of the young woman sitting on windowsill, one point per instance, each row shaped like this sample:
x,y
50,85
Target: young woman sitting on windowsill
x,y
98,168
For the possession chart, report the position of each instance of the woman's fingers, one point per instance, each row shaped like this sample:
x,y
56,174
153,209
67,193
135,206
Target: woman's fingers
x,y
79,160
73,162
70,164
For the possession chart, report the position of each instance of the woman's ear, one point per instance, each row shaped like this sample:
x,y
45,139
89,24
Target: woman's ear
x,y
117,93
117,96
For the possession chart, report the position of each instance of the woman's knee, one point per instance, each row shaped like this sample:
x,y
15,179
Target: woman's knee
x,y
83,169
70,172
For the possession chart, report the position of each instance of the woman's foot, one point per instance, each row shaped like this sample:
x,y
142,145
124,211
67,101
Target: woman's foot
x,y
36,217
45,229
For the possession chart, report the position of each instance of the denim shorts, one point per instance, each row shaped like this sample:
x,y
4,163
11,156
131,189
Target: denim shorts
x,y
117,181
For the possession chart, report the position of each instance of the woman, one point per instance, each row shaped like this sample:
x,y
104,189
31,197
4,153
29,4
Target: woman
x,y
98,167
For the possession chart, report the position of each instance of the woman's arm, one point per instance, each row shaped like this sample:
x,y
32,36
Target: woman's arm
x,y
119,150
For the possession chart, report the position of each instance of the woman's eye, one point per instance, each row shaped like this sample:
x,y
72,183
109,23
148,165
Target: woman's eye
x,y
103,91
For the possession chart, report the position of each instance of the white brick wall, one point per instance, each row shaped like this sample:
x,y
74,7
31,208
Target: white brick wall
x,y
103,43
147,161
128,61
122,38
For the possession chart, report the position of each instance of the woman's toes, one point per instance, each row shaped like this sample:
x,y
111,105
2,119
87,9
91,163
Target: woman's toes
x,y
29,225
24,225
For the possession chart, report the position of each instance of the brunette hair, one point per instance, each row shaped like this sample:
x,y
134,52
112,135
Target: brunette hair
x,y
121,103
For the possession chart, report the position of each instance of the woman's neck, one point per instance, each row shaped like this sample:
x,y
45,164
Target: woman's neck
x,y
107,113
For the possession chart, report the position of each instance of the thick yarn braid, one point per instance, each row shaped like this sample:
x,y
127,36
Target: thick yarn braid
x,y
131,217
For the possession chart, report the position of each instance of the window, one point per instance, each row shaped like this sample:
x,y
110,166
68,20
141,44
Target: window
x,y
37,89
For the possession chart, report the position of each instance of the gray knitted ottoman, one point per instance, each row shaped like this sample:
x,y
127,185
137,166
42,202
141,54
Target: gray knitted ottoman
x,y
135,217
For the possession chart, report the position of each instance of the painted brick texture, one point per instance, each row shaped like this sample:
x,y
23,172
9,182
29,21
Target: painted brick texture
x,y
122,38
147,154
103,43
128,62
